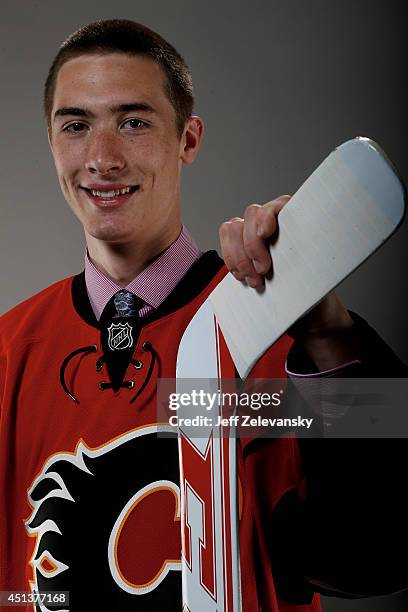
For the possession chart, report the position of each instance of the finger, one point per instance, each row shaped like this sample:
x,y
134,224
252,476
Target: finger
x,y
254,245
268,219
234,255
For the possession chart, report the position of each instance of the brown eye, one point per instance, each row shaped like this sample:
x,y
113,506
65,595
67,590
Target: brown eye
x,y
74,127
134,124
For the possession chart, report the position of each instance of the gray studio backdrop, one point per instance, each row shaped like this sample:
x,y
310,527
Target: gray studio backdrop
x,y
279,85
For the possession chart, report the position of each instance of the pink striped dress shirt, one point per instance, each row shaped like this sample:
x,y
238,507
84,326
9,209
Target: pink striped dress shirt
x,y
153,284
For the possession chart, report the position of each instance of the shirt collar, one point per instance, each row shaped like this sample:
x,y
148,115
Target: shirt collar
x,y
153,284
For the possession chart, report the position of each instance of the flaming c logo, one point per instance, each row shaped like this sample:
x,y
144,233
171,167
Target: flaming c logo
x,y
107,524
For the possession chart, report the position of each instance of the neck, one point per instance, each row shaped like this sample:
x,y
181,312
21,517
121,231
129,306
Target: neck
x,y
122,262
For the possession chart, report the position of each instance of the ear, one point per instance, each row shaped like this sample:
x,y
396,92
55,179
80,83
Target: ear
x,y
191,139
49,135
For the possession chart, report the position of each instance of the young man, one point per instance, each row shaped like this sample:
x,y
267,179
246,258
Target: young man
x,y
90,493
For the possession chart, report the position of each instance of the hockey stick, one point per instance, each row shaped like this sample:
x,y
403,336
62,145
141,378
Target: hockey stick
x,y
344,212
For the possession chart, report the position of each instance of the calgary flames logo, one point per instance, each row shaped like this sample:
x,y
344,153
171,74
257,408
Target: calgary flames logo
x,y
107,524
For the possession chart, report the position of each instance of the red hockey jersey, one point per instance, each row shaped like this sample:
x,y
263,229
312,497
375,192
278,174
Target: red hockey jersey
x,y
71,472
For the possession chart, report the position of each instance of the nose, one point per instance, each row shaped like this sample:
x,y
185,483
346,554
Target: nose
x,y
105,155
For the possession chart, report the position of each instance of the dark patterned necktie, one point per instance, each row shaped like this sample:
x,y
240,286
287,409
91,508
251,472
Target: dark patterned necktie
x,y
127,304
122,305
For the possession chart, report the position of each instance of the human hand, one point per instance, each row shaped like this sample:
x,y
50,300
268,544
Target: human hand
x,y
244,241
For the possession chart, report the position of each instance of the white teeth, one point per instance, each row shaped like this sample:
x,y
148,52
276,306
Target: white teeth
x,y
110,194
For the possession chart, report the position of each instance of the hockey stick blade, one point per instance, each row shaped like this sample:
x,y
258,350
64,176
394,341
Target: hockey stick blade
x,y
351,204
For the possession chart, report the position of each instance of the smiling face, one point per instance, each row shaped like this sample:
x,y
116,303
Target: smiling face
x,y
116,148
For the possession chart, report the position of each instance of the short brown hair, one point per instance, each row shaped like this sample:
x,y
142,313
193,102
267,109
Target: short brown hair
x,y
130,38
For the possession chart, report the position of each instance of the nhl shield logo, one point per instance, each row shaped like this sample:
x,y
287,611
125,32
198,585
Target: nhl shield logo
x,y
120,336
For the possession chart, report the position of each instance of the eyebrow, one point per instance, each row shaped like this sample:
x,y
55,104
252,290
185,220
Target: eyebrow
x,y
119,108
